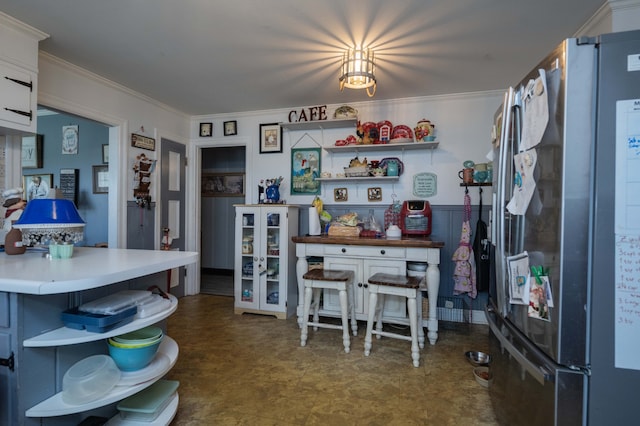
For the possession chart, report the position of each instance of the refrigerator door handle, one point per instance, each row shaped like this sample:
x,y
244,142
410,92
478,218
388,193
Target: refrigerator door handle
x,y
539,373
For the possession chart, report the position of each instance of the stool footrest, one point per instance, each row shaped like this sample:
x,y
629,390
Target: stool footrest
x,y
390,334
324,325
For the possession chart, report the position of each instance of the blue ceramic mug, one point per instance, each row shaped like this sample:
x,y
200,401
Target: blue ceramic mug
x,y
480,176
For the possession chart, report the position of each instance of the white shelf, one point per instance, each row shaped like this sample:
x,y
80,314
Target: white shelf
x,y
321,124
68,336
382,147
360,179
163,419
55,406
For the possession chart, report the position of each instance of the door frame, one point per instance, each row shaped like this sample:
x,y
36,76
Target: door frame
x,y
193,216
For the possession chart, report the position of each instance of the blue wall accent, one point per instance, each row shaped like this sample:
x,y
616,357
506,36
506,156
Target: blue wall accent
x,y
93,208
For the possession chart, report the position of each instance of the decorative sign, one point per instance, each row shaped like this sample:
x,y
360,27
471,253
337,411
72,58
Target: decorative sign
x,y
316,113
69,184
143,142
425,184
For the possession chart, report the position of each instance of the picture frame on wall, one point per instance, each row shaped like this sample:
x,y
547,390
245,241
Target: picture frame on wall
x,y
305,169
206,130
230,128
37,185
340,195
270,138
222,184
105,154
101,179
32,151
374,194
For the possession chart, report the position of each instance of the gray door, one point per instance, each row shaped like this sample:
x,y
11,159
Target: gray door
x,y
172,190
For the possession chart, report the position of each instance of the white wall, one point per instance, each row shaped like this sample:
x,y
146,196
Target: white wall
x,y
463,125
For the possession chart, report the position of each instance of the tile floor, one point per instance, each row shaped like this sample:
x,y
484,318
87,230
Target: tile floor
x,y
251,370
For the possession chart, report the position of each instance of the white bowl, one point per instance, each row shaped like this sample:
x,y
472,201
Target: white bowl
x,y
89,379
483,376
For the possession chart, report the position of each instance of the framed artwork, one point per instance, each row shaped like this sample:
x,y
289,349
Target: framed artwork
x,y
70,140
36,186
374,194
206,130
222,184
69,184
32,152
270,138
101,179
230,128
139,141
340,195
105,154
305,169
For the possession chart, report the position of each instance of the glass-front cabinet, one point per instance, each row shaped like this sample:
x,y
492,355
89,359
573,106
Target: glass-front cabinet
x,y
264,276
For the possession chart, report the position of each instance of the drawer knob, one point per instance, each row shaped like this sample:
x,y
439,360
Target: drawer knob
x,y
382,252
344,250
359,284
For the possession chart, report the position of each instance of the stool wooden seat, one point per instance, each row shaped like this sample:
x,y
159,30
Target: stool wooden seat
x,y
314,281
397,285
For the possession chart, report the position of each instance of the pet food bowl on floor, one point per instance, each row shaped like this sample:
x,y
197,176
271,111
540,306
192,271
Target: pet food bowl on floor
x,y
478,358
483,376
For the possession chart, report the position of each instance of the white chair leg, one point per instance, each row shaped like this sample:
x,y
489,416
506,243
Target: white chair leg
x,y
379,313
352,308
305,316
345,320
413,324
373,301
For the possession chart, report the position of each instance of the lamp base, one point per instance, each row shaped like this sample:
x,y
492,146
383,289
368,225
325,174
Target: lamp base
x,y
60,251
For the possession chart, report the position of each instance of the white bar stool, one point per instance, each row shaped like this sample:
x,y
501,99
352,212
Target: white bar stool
x,y
396,285
314,281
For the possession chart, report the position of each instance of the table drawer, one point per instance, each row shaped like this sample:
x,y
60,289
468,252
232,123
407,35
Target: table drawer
x,y
365,251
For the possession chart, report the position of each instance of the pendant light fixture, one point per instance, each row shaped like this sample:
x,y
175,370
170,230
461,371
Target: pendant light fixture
x,y
357,71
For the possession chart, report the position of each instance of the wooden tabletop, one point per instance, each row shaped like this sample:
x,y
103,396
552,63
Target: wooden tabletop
x,y
422,242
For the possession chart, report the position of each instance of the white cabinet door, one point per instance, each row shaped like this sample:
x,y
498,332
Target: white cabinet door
x,y
330,298
394,306
363,269
17,98
263,271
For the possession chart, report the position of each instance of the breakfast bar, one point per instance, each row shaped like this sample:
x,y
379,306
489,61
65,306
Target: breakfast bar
x,y
365,257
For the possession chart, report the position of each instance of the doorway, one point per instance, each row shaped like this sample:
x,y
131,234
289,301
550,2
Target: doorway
x,y
220,165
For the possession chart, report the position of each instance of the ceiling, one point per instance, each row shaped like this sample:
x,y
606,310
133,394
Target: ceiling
x,y
209,57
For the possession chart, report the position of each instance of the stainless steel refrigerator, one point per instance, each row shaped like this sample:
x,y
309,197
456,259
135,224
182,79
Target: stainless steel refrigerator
x,y
563,315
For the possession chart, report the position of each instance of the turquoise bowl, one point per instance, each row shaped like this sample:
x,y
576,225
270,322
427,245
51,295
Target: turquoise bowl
x,y
132,359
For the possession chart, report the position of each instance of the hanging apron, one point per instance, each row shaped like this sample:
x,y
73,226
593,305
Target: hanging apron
x,y
464,274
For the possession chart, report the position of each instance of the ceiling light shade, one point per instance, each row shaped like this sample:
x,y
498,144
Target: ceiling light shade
x,y
357,70
47,220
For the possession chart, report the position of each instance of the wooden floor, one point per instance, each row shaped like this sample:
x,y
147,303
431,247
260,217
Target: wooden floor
x,y
251,370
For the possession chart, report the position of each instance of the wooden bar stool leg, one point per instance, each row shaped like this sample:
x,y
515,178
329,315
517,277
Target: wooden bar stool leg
x,y
345,319
413,324
316,306
304,330
373,302
379,312
352,308
420,327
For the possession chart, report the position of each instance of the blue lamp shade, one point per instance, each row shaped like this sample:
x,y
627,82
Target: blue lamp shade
x,y
47,220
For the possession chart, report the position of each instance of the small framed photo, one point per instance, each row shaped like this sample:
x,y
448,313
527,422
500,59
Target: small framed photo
x,y
37,186
270,138
230,128
206,130
32,152
143,142
340,195
105,153
374,194
101,179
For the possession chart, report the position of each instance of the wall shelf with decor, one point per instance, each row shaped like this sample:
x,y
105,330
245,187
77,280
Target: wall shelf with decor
x,y
385,179
382,147
321,124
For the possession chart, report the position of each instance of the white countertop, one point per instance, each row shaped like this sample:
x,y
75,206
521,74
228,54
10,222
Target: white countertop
x,y
33,273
